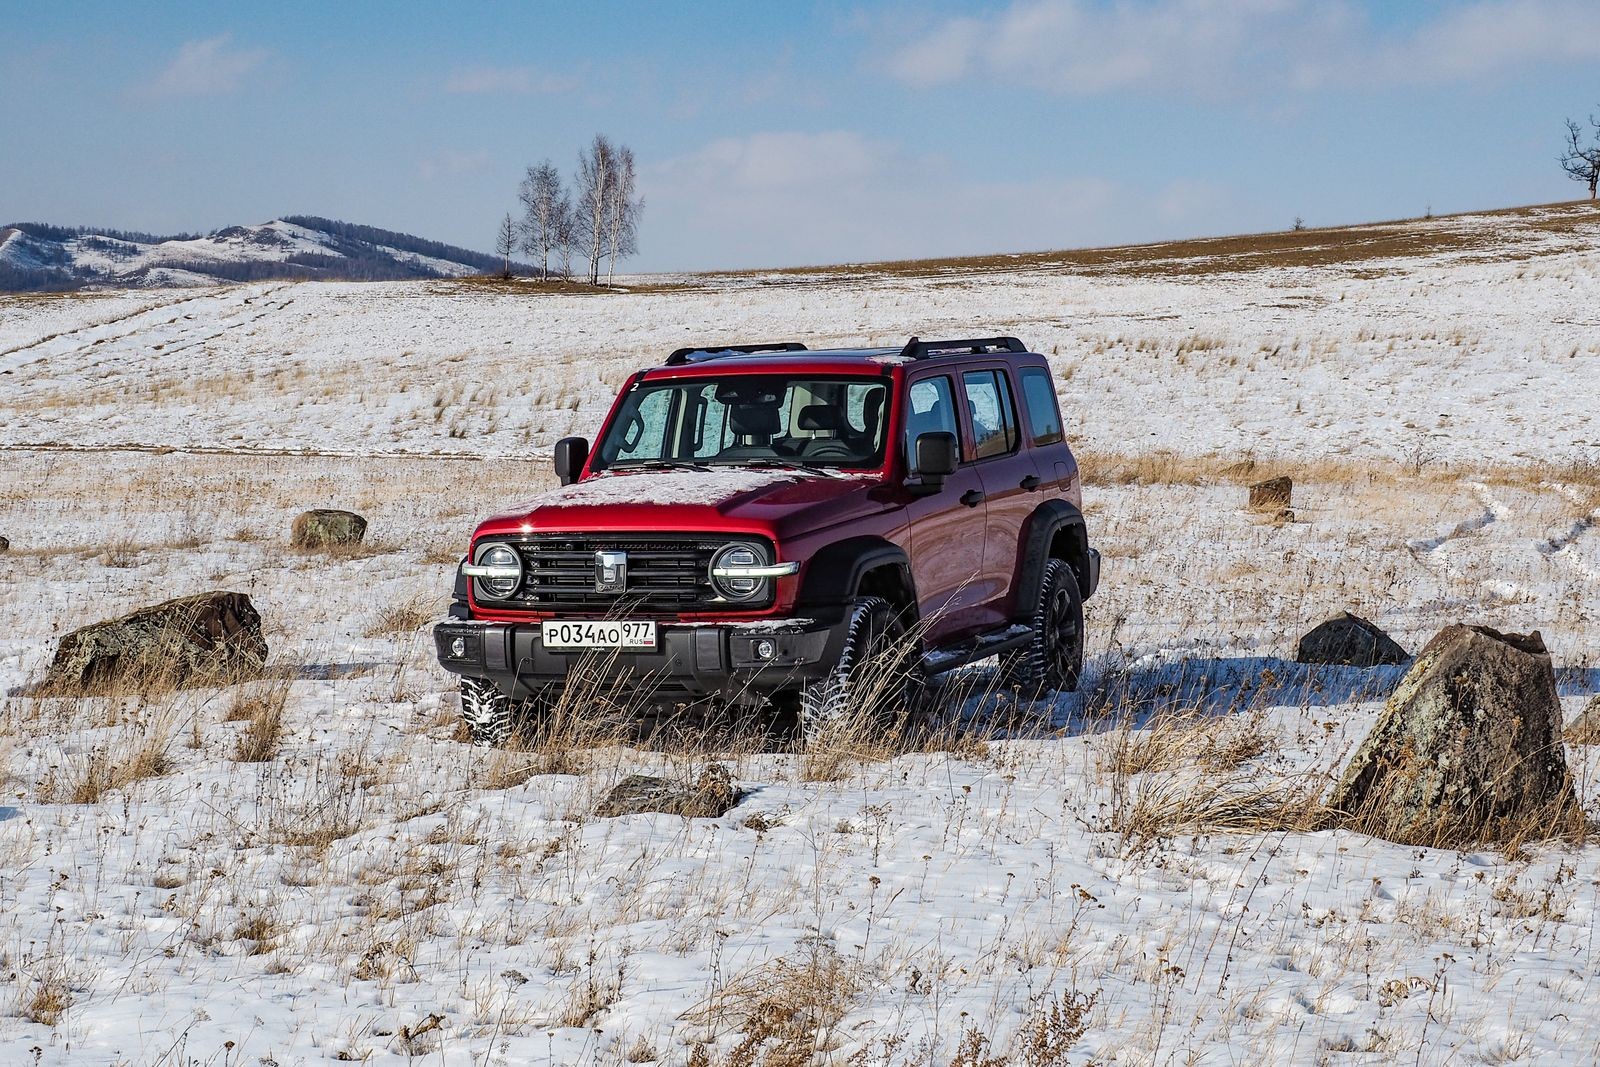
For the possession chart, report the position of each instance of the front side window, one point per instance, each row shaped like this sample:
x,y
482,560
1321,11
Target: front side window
x,y
994,420
749,419
1044,415
929,409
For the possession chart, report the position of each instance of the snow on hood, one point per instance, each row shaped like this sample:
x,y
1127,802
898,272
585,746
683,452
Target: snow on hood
x,y
708,487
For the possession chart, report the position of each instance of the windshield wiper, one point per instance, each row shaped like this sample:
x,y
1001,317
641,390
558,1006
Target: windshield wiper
x,y
790,464
658,464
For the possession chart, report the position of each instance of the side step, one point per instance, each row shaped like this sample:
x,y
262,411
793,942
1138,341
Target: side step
x,y
985,645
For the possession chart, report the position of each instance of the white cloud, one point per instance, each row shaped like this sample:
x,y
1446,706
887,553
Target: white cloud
x,y
1087,47
513,81
832,196
206,67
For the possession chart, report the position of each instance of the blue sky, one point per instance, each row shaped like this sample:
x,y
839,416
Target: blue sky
x,y
784,133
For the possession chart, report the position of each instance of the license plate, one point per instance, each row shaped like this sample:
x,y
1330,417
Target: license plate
x,y
599,634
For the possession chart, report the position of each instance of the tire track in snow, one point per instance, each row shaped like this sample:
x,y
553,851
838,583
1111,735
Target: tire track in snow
x,y
1561,544
1434,552
15,358
1493,511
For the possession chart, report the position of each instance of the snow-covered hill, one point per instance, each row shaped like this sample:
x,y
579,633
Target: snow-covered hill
x,y
35,256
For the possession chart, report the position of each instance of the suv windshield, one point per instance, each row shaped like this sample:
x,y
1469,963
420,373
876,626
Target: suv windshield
x,y
749,419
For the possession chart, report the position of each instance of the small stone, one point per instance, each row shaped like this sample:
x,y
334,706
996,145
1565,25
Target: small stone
x,y
1271,496
711,795
1467,749
327,527
1349,640
209,638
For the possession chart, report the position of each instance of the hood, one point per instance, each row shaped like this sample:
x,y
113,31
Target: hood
x,y
777,502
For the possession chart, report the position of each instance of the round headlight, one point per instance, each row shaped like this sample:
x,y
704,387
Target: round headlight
x,y
733,557
500,586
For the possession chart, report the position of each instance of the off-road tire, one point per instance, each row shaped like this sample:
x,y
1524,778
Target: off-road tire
x,y
492,717
489,714
1052,661
873,629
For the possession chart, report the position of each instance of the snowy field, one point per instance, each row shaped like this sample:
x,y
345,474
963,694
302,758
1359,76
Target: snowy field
x,y
1047,885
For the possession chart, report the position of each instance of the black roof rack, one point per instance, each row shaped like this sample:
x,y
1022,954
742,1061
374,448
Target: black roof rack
x,y
969,346
702,353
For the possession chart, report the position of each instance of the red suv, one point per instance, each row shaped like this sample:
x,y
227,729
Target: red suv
x,y
759,522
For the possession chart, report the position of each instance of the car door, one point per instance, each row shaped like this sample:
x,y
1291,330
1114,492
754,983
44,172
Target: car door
x,y
1010,486
946,528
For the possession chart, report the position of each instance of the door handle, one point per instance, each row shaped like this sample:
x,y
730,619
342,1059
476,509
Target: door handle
x,y
972,497
1030,483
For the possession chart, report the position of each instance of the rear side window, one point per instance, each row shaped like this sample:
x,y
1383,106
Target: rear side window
x,y
994,419
930,407
1044,415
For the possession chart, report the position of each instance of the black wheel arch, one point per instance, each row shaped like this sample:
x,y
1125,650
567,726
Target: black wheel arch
x,y
1055,530
858,566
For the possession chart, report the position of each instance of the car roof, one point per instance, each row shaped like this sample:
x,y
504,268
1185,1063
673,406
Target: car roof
x,y
872,361
791,357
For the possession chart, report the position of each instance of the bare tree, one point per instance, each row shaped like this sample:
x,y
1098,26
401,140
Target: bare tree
x,y
622,212
505,242
596,173
545,211
1582,164
567,243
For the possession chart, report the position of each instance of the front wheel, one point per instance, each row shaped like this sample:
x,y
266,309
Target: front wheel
x,y
1052,662
878,674
491,716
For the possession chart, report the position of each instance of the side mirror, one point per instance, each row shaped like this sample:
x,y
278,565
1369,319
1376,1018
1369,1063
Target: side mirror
x,y
936,459
571,455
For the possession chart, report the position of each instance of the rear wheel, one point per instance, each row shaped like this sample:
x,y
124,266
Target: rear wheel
x,y
878,676
1052,662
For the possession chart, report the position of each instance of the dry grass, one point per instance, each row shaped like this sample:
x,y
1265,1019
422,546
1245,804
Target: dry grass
x,y
261,710
1052,1031
785,1013
131,754
1171,740
1324,246
1561,818
406,615
45,991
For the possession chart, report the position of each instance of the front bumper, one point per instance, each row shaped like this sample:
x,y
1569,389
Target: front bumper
x,y
691,661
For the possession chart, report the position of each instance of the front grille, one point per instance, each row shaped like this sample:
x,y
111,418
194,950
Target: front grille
x,y
666,575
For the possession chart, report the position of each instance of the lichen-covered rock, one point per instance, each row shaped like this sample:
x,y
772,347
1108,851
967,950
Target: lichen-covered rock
x,y
1271,496
326,528
709,797
1467,750
1349,640
209,638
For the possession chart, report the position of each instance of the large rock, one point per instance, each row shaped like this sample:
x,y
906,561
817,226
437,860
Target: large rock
x,y
709,797
1467,750
210,638
327,527
1349,640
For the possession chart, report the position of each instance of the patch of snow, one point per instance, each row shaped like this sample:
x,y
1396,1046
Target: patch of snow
x,y
708,487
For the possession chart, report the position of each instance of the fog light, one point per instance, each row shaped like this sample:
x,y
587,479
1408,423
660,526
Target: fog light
x,y
458,648
766,649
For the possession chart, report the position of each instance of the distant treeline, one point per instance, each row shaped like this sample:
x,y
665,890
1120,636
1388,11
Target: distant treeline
x,y
405,242
46,232
350,252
